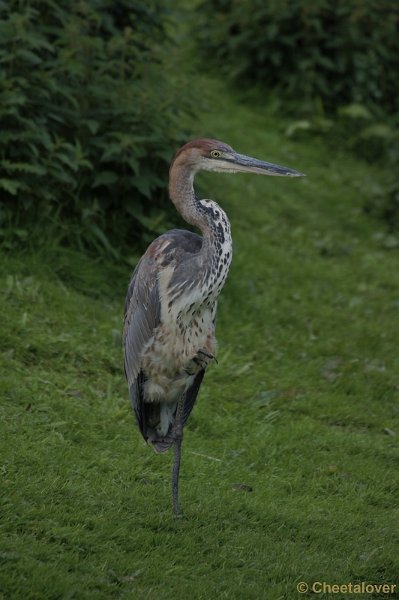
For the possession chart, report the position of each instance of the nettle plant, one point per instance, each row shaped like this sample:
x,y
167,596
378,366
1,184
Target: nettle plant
x,y
337,51
330,64
89,117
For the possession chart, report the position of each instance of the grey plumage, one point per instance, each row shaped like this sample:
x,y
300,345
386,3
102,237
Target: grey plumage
x,y
142,318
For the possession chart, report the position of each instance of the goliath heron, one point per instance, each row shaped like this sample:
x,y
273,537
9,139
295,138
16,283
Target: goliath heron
x,y
170,310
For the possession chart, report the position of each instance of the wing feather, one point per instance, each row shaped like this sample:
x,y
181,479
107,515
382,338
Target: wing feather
x,y
142,317
143,314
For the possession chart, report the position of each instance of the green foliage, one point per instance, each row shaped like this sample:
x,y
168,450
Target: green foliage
x,y
357,130
333,64
89,117
337,51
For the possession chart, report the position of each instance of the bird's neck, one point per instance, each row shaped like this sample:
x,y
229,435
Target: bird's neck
x,y
181,192
209,217
215,255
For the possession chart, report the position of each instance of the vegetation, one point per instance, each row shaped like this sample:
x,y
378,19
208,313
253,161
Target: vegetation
x,y
90,112
301,409
336,52
331,64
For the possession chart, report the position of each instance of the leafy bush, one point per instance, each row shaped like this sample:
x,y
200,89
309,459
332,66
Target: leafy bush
x,y
339,51
332,63
89,117
354,128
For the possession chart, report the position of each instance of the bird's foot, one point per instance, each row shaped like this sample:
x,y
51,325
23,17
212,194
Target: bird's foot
x,y
207,354
201,360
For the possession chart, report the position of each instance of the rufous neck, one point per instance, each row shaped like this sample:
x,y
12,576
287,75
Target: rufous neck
x,y
181,192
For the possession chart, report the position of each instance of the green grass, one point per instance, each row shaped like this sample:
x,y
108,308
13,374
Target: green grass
x,y
302,407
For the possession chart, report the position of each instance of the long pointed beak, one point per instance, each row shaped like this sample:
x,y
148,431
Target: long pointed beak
x,y
247,164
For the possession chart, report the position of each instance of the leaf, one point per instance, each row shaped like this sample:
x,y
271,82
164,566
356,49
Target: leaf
x,y
143,185
93,126
105,178
22,167
355,111
102,238
298,126
379,130
11,186
29,56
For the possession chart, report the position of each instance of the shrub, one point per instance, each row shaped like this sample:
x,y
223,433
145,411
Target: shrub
x,y
89,117
338,51
333,63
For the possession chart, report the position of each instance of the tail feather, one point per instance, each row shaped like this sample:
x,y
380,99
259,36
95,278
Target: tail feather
x,y
161,444
157,420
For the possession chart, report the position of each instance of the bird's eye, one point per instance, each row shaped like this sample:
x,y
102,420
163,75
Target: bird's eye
x,y
215,153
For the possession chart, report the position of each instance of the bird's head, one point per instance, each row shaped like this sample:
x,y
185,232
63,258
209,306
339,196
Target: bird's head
x,y
213,155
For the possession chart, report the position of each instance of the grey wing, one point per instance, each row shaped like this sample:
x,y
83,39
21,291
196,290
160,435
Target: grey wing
x,y
143,310
142,317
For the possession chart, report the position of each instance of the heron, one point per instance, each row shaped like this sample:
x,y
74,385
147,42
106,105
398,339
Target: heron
x,y
170,309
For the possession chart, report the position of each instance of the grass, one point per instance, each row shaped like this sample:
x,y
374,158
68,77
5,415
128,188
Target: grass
x,y
290,459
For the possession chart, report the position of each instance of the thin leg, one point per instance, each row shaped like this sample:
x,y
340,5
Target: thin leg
x,y
178,437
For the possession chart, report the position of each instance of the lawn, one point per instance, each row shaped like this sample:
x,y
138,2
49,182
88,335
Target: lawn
x,y
290,458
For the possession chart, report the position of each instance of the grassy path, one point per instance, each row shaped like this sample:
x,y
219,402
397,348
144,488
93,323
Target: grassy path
x,y
302,408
